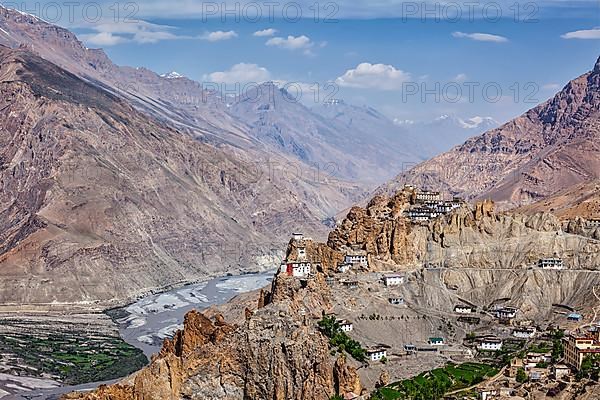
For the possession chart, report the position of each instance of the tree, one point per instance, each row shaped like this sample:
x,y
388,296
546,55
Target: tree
x,y
521,376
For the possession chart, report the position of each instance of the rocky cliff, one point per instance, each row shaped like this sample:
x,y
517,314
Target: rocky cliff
x,y
276,353
549,148
472,236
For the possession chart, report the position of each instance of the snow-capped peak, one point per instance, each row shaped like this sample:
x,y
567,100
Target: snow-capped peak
x,y
172,75
477,122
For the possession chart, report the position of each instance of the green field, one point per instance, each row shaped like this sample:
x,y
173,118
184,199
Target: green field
x,y
434,384
74,359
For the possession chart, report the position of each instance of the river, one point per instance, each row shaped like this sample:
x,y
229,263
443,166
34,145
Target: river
x,y
157,316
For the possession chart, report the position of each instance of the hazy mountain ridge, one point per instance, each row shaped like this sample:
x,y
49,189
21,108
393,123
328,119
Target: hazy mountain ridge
x,y
102,203
549,148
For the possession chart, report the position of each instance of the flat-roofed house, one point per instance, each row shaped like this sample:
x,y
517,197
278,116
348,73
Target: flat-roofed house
x,y
296,268
376,354
551,263
345,326
461,309
393,280
357,257
396,301
490,344
524,332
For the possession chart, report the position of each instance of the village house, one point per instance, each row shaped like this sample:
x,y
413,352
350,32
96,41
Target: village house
x,y
460,309
496,393
393,280
345,326
593,223
396,301
551,263
376,354
427,196
524,332
574,317
506,313
532,359
418,214
350,284
559,371
301,253
297,236
296,268
537,374
343,268
578,346
357,257
410,348
436,341
490,344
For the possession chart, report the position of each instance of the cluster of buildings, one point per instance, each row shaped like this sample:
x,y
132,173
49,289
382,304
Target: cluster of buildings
x,y
537,367
551,263
426,205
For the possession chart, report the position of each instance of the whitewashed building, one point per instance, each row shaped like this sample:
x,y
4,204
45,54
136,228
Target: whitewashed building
x,y
506,313
393,280
426,195
296,269
345,326
297,236
301,253
357,257
524,333
551,263
460,309
491,344
343,268
376,354
396,301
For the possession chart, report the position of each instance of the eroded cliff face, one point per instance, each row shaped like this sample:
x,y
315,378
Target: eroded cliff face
x,y
470,237
276,353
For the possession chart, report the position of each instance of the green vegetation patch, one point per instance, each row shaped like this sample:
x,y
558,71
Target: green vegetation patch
x,y
75,359
432,385
338,338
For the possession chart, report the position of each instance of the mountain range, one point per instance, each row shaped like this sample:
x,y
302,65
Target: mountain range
x,y
549,148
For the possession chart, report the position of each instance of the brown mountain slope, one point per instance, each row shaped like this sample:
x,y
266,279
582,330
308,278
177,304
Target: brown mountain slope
x,y
581,200
270,123
100,202
549,148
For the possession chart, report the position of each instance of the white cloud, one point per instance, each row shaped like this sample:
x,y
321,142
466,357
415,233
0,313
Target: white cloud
x,y
481,37
583,34
291,42
102,39
240,73
265,32
219,35
460,78
373,76
113,33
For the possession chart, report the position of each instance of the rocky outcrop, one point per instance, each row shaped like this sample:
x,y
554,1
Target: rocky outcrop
x,y
277,353
471,236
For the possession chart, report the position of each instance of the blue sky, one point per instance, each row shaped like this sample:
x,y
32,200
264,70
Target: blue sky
x,y
410,60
